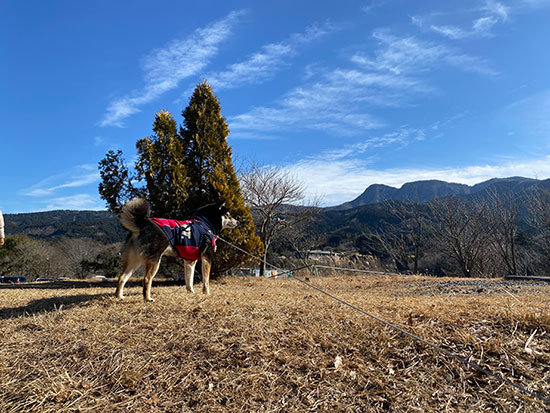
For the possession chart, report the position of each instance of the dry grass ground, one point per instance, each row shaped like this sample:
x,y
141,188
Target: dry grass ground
x,y
270,345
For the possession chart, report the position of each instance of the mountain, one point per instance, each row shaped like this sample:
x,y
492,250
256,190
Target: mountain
x,y
99,225
423,191
514,184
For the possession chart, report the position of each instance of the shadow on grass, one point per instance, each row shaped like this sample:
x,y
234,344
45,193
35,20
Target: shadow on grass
x,y
59,285
64,302
72,284
47,305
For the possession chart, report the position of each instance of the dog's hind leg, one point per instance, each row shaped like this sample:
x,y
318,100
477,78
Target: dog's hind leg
x,y
206,267
131,263
151,268
189,271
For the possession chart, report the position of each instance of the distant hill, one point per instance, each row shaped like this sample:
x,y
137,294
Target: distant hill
x,y
99,225
342,224
423,191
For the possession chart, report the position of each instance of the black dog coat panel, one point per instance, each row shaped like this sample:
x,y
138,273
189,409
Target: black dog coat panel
x,y
185,236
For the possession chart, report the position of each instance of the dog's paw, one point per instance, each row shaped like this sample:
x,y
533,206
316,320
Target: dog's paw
x,y
206,291
120,297
149,300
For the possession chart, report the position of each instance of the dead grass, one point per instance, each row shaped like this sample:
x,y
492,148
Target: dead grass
x,y
270,345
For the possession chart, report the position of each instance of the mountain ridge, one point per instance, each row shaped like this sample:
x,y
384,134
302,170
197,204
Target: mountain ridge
x,y
428,190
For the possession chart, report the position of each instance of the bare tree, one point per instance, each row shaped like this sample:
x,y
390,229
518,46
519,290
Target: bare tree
x,y
539,207
462,233
411,219
502,213
402,241
276,199
393,241
70,252
26,256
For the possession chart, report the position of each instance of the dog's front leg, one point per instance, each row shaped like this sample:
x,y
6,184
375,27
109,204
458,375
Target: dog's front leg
x,y
189,271
206,267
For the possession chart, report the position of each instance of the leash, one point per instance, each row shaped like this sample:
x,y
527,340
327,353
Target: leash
x,y
475,366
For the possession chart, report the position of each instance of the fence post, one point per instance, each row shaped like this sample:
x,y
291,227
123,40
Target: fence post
x,y
313,271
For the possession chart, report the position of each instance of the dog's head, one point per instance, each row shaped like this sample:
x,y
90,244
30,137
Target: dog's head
x,y
227,220
218,215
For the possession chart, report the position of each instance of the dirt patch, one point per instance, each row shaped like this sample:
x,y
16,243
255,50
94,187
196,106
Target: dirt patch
x,y
479,286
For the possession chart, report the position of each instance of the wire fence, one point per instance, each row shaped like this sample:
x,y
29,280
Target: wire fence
x,y
434,346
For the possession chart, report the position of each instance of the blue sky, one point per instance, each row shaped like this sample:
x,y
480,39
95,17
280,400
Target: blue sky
x,y
342,94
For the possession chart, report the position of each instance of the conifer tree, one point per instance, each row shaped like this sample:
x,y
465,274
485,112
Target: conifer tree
x,y
211,172
160,164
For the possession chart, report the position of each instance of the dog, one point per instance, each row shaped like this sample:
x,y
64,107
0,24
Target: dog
x,y
152,238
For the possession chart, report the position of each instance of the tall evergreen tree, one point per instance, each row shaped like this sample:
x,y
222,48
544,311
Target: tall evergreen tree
x,y
161,164
211,172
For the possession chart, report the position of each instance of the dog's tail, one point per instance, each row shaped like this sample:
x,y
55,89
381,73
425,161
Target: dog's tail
x,y
134,214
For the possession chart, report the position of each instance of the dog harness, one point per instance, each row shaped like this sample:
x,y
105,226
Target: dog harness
x,y
185,236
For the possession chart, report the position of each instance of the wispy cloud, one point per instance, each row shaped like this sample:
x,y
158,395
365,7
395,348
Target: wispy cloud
x,y
452,32
78,201
264,64
81,176
472,64
497,9
401,55
318,107
372,5
165,68
402,137
411,55
481,21
354,176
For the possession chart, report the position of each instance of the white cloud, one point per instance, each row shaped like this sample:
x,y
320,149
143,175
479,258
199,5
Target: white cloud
x,y
264,64
404,54
70,179
78,201
324,105
486,18
372,5
340,181
483,25
320,107
259,67
410,55
497,9
452,32
401,137
165,68
469,63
